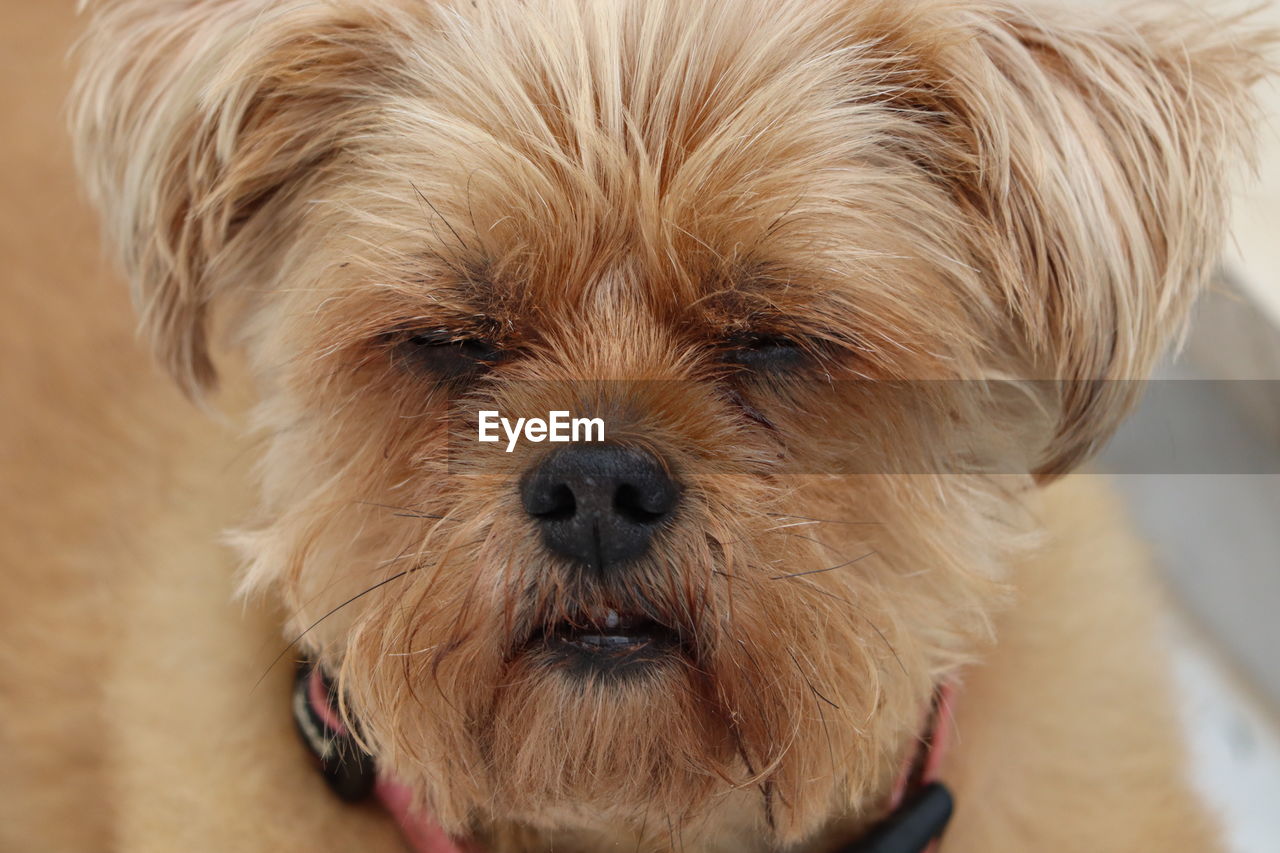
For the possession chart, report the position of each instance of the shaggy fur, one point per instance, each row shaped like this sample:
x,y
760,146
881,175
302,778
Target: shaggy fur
x,y
615,195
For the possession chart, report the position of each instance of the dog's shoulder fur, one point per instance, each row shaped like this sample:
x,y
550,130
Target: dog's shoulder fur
x,y
1027,746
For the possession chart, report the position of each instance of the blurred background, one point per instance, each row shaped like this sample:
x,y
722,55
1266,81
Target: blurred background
x,y
1213,517
1209,504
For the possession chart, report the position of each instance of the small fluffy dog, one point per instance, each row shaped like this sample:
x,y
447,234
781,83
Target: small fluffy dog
x,y
719,226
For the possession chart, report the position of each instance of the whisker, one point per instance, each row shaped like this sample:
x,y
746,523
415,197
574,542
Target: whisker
x,y
821,520
436,211
831,751
644,825
861,615
312,626
827,569
888,644
805,523
404,511
806,538
409,654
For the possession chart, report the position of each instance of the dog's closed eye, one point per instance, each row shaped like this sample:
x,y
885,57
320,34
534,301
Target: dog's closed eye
x,y
764,353
447,356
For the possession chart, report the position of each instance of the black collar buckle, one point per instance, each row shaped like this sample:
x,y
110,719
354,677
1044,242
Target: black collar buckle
x,y
912,826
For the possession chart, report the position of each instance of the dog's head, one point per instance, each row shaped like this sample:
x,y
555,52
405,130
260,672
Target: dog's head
x,y
708,224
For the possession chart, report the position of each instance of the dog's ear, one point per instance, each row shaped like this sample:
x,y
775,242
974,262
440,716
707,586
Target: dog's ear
x,y
1094,148
200,128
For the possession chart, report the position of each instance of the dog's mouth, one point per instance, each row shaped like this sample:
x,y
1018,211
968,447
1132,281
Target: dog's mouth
x,y
609,641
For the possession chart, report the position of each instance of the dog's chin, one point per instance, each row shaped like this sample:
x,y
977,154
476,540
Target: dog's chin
x,y
605,646
605,709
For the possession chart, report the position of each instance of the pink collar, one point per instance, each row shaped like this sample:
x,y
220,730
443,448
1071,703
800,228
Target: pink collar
x,y
918,807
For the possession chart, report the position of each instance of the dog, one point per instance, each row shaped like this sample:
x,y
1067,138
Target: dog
x,y
722,228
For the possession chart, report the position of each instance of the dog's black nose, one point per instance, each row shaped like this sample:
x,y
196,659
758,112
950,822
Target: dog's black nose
x,y
599,505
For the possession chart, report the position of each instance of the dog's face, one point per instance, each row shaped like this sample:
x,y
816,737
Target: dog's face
x,y
708,224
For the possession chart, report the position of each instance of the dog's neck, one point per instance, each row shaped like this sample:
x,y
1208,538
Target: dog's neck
x,y
917,808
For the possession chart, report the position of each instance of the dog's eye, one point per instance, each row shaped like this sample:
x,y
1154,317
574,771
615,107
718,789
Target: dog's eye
x,y
765,353
448,356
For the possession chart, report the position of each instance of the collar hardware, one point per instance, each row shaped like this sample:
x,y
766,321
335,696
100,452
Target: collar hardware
x,y
349,770
912,827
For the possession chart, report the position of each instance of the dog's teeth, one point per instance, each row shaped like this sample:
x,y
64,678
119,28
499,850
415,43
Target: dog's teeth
x,y
611,619
606,641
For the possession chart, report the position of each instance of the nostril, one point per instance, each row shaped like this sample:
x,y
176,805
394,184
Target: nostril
x,y
559,504
629,503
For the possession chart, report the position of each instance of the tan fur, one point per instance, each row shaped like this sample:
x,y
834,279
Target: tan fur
x,y
920,191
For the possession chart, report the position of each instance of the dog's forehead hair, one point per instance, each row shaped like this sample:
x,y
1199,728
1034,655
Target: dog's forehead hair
x,y
668,155
747,298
